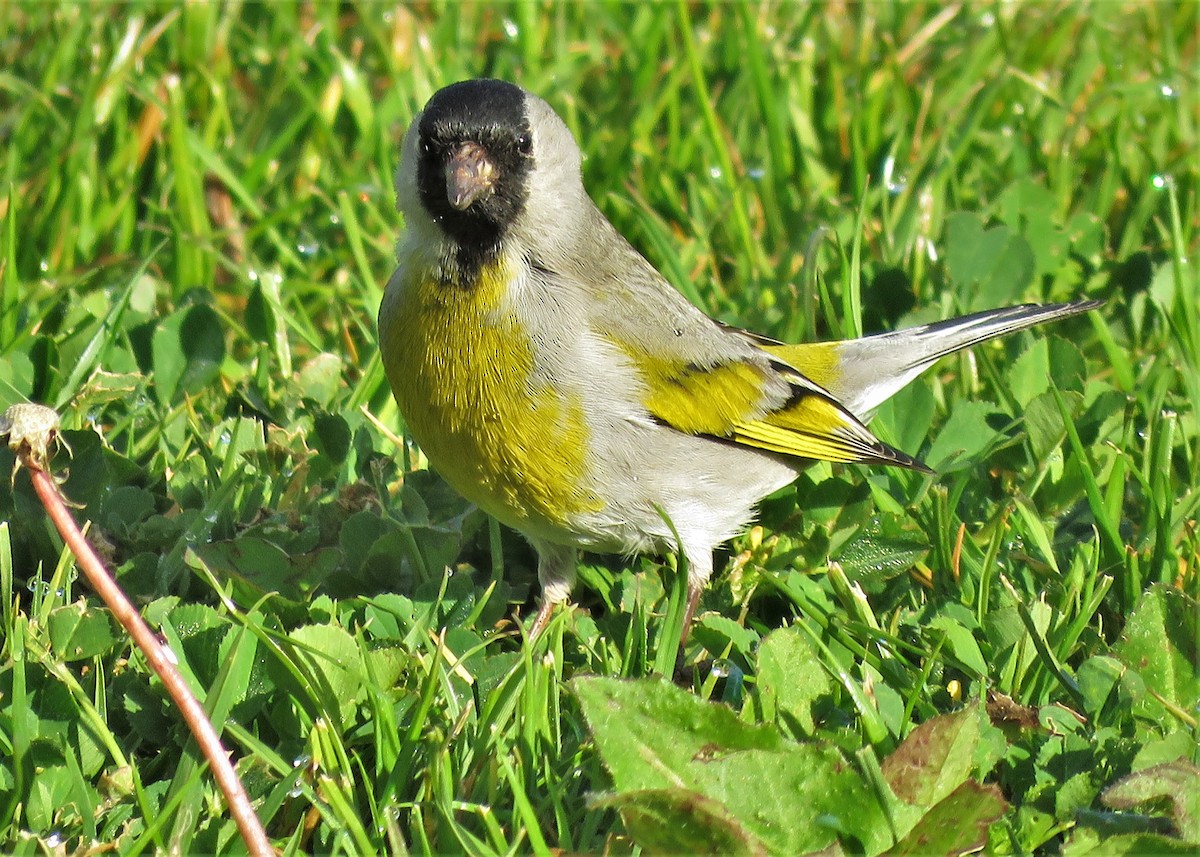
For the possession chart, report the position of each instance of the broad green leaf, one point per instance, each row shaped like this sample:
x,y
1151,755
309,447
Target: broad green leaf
x,y
964,437
1029,375
1003,627
790,680
389,616
188,347
232,683
715,632
1176,745
1160,643
675,821
78,632
1175,783
957,824
260,317
388,663
886,546
16,379
795,798
1089,843
1028,208
331,437
359,532
125,507
259,566
201,632
935,759
908,416
1044,423
1075,792
989,268
1068,369
493,670
1097,677
332,654
320,378
51,790
887,703
953,621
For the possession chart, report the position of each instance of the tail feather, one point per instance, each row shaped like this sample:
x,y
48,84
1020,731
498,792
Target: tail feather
x,y
871,370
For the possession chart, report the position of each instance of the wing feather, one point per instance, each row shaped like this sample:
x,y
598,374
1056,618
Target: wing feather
x,y
765,404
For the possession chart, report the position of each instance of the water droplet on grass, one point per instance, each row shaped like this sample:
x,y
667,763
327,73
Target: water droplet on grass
x,y
725,668
893,181
511,29
1166,90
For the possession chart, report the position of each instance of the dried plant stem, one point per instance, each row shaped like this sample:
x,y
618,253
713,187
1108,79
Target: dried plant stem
x,y
191,709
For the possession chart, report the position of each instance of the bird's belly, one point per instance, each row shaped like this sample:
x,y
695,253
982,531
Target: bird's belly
x,y
462,374
664,486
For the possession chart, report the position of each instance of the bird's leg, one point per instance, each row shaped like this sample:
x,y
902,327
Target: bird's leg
x,y
693,601
543,618
699,565
698,574
556,573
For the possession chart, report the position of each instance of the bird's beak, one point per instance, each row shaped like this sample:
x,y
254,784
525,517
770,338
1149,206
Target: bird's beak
x,y
469,175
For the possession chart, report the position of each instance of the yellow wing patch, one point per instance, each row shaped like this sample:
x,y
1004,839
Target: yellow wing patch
x,y
817,361
730,401
814,426
706,400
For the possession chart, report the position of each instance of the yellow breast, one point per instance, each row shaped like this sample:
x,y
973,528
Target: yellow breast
x,y
462,370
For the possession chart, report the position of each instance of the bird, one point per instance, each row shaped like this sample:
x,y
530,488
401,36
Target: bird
x,y
559,382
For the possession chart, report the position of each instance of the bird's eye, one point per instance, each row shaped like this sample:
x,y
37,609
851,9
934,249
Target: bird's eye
x,y
525,144
426,146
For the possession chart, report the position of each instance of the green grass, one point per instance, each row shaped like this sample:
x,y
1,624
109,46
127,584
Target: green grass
x,y
197,221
